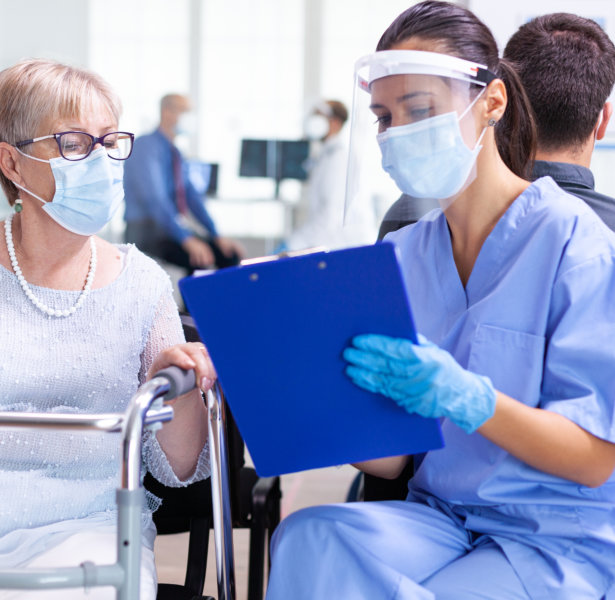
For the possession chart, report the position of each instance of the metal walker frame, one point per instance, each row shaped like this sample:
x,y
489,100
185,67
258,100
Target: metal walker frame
x,y
144,410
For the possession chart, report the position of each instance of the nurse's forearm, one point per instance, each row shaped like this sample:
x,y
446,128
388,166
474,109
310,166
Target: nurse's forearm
x,y
387,468
550,442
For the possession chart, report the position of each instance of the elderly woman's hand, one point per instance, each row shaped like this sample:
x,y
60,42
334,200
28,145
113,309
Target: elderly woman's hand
x,y
183,438
191,355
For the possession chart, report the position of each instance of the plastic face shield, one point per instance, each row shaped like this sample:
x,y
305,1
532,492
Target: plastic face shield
x,y
412,120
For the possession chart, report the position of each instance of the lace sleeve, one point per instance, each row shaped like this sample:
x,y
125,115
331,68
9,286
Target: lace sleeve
x,y
166,331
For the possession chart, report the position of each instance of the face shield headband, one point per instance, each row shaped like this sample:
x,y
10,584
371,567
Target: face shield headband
x,y
417,62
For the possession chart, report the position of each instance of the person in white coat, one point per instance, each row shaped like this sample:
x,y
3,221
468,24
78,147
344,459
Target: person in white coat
x,y
324,222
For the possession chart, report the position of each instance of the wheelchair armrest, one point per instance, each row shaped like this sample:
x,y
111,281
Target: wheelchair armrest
x,y
266,494
266,488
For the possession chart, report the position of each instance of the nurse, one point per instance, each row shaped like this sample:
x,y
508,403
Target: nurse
x,y
512,288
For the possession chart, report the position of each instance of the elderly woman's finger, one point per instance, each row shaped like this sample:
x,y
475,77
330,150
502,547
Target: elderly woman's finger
x,y
204,368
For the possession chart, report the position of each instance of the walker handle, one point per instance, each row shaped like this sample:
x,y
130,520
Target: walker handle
x,y
181,381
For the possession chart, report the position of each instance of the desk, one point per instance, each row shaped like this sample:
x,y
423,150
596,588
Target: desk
x,y
259,224
267,219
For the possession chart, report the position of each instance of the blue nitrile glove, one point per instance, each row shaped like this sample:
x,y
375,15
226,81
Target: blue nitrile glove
x,y
422,379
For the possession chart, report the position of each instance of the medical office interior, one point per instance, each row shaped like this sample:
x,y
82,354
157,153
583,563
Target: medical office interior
x,y
254,73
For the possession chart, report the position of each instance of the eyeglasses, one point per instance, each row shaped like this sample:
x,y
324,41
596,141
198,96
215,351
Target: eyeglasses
x,y
77,145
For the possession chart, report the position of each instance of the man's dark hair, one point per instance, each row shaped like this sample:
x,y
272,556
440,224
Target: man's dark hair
x,y
567,65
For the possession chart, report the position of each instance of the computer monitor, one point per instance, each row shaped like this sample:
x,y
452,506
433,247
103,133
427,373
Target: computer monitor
x,y
275,159
204,177
212,188
254,161
294,155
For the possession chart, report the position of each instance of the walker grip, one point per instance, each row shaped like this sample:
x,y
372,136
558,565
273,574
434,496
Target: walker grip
x,y
181,381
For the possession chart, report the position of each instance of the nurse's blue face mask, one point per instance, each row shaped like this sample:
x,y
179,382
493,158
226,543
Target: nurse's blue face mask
x,y
88,191
429,159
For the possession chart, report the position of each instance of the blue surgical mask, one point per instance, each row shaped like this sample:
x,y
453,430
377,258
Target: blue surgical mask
x,y
316,127
429,159
88,191
186,124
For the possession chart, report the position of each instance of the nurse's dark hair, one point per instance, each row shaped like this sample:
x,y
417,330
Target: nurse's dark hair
x,y
567,65
456,31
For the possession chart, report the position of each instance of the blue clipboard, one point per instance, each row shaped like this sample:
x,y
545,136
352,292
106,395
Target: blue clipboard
x,y
276,332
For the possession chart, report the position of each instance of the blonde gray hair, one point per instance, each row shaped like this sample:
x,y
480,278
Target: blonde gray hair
x,y
36,93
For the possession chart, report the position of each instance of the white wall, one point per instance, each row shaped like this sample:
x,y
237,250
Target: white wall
x,y
352,29
30,30
251,84
505,18
43,29
142,48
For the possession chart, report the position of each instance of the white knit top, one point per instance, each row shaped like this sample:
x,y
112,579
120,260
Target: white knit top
x,y
53,483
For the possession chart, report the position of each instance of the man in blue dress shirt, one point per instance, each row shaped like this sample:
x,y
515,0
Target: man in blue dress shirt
x,y
165,215
567,66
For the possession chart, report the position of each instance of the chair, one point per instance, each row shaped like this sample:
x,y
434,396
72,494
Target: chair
x,y
254,504
185,509
370,488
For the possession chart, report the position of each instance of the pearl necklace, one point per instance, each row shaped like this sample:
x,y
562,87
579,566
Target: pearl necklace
x,y
52,312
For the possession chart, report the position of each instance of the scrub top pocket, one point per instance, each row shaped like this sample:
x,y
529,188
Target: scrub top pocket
x,y
513,360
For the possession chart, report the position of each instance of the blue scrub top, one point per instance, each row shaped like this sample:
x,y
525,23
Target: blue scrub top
x,y
537,316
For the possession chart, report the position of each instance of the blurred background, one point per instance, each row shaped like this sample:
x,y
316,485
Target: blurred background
x,y
253,70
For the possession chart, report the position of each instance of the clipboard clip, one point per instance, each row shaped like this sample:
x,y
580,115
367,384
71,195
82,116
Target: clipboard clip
x,y
286,254
246,262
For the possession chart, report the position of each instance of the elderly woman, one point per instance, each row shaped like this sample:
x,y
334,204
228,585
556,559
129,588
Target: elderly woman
x,y
83,324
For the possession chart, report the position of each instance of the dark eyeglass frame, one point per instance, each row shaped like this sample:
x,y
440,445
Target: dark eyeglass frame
x,y
95,140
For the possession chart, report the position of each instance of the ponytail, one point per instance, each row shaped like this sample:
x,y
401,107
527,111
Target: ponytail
x,y
515,132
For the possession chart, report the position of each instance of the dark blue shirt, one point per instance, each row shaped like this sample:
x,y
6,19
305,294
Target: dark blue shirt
x,y
404,211
579,181
149,188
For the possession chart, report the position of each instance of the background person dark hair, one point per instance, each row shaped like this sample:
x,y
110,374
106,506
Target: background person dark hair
x,y
567,65
338,112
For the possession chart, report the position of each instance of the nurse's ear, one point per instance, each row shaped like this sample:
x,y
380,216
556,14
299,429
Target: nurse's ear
x,y
495,102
